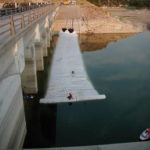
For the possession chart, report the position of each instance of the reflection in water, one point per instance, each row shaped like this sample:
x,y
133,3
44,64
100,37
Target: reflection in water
x,y
92,42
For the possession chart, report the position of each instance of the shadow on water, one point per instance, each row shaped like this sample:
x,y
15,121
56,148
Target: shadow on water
x,y
40,119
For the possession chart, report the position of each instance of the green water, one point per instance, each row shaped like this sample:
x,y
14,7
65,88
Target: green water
x,y
121,70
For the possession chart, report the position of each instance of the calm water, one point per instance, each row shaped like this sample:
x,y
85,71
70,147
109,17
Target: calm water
x,y
122,72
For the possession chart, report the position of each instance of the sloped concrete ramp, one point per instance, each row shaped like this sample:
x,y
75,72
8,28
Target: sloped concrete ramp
x,y
68,74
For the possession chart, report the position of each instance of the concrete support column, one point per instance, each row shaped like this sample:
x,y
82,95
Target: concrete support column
x,y
29,75
39,56
48,38
47,31
38,49
45,45
19,55
50,34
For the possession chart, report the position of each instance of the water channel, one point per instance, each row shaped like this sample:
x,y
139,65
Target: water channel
x,y
117,68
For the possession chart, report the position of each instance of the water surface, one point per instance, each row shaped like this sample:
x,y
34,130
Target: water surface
x,y
121,71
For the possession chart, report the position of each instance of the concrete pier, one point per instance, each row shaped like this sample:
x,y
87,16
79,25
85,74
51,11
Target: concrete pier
x,y
45,45
39,56
29,75
39,48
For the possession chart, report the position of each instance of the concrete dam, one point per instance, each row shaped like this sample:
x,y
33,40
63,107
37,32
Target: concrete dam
x,y
24,39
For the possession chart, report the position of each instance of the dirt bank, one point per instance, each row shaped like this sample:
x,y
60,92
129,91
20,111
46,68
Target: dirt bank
x,y
132,15
89,18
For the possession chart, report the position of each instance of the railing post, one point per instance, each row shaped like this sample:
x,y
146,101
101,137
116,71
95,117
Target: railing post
x,y
12,26
40,12
36,14
22,21
29,18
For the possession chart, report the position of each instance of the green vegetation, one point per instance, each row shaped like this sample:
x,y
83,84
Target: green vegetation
x,y
140,3
136,3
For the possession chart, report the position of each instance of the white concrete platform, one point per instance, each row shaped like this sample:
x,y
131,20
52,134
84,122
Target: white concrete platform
x,y
68,73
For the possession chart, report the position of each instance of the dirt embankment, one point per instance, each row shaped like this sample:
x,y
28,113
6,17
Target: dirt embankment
x,y
134,16
88,18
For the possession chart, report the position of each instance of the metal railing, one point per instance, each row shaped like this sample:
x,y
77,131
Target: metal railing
x,y
12,24
12,11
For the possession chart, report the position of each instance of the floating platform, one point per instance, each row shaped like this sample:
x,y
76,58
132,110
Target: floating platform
x,y
68,74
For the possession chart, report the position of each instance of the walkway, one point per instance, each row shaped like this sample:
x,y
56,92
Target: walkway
x,y
68,74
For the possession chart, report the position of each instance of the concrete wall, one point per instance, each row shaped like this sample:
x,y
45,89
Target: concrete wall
x,y
20,59
12,119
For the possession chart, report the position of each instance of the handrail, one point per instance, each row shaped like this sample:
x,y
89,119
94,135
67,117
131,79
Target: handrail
x,y
14,23
12,11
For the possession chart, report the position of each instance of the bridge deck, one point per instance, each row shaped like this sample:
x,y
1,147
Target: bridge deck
x,y
67,58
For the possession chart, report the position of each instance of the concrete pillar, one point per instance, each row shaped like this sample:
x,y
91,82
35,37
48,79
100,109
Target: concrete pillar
x,y
39,56
38,49
47,31
12,119
45,45
19,55
29,75
50,31
48,39
49,36
7,62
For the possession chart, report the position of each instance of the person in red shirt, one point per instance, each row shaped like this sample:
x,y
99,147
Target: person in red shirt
x,y
69,96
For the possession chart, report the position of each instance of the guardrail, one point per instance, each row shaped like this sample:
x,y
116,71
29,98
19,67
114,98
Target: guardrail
x,y
12,24
12,11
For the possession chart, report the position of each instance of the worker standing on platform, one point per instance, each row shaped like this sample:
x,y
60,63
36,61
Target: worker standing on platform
x,y
69,96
